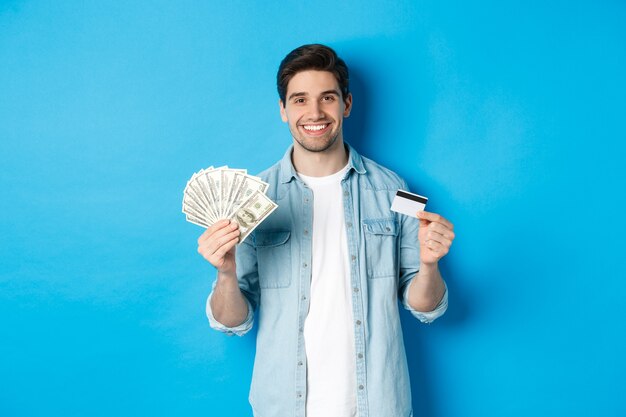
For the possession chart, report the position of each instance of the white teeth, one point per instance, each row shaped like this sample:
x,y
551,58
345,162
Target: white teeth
x,y
314,127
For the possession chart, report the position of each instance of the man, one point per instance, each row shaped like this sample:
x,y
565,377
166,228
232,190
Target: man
x,y
325,270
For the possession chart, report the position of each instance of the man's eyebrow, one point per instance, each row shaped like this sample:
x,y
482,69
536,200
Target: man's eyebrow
x,y
335,92
304,94
299,94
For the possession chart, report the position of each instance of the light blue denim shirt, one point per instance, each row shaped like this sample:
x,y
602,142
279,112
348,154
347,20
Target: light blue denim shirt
x,y
274,273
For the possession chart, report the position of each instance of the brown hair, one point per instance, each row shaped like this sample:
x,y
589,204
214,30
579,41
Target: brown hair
x,y
312,57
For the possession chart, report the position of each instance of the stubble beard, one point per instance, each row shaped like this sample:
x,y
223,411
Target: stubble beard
x,y
320,144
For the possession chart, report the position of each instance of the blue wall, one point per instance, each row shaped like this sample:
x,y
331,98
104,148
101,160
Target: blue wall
x,y
510,117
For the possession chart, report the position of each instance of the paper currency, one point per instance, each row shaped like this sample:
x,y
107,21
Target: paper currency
x,y
212,194
252,212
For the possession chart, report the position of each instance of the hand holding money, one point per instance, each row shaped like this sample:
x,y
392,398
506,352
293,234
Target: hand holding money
x,y
213,194
217,245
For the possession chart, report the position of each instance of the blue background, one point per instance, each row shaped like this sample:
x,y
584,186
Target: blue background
x,y
508,116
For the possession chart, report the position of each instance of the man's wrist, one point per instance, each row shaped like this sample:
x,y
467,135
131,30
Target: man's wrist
x,y
429,267
227,279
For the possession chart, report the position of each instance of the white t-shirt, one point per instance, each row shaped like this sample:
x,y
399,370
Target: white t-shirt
x,y
329,328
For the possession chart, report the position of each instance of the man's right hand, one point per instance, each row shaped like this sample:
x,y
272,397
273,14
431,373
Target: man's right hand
x,y
217,245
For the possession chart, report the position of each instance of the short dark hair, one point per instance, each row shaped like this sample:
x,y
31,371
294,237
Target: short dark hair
x,y
312,57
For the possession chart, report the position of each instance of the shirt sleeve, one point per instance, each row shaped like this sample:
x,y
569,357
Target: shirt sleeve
x,y
248,280
239,330
426,316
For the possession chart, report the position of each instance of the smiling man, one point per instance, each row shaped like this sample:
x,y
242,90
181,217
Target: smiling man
x,y
314,110
323,274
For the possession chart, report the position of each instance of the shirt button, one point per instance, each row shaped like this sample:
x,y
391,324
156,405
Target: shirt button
x,y
346,193
306,232
356,289
358,322
306,200
349,224
304,265
361,387
304,297
353,258
299,395
360,356
300,363
387,229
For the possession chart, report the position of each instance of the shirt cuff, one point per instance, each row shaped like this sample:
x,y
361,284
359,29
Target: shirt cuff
x,y
239,330
426,316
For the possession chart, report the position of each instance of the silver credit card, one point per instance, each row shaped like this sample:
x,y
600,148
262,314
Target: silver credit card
x,y
408,203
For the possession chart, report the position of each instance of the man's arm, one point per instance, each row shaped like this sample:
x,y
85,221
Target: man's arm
x,y
228,304
217,245
427,288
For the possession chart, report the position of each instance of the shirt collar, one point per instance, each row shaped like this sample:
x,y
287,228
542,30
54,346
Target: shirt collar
x,y
288,172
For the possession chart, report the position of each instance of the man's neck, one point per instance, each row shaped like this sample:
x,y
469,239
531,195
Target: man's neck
x,y
320,164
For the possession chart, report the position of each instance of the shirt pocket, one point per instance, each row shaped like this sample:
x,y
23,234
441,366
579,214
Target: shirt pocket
x,y
273,258
380,247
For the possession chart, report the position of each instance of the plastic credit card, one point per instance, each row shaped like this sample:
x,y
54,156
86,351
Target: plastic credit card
x,y
408,203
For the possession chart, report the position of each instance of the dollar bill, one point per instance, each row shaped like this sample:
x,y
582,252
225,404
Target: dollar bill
x,y
195,220
193,196
212,194
200,188
214,184
247,187
252,212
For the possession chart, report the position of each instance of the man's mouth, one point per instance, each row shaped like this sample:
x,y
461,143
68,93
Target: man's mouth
x,y
316,128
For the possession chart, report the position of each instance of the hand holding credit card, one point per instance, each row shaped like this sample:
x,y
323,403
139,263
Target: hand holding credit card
x,y
408,203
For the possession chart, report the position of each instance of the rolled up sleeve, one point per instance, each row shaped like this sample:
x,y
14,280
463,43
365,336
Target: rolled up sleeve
x,y
426,316
239,330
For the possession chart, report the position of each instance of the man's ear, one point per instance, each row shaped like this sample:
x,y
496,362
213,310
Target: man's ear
x,y
283,113
348,104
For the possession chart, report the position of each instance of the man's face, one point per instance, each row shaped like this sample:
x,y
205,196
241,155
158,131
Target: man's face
x,y
315,110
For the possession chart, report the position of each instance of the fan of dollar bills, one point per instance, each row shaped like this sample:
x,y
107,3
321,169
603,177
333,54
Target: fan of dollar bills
x,y
224,193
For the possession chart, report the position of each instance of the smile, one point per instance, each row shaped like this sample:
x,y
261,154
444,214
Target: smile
x,y
315,128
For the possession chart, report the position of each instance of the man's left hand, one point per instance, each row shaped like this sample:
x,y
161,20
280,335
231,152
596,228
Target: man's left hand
x,y
435,236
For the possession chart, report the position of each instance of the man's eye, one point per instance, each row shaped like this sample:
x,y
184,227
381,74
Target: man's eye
x,y
298,101
328,98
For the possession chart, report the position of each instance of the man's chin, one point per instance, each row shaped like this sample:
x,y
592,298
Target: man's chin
x,y
317,144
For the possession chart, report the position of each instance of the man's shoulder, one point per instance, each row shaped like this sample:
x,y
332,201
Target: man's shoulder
x,y
270,173
381,177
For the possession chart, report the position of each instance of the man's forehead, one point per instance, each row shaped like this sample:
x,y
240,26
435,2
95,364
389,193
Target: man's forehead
x,y
312,82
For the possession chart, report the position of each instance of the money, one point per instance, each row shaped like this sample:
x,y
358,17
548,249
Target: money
x,y
213,194
252,212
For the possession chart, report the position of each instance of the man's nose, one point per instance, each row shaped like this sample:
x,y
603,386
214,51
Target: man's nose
x,y
315,111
